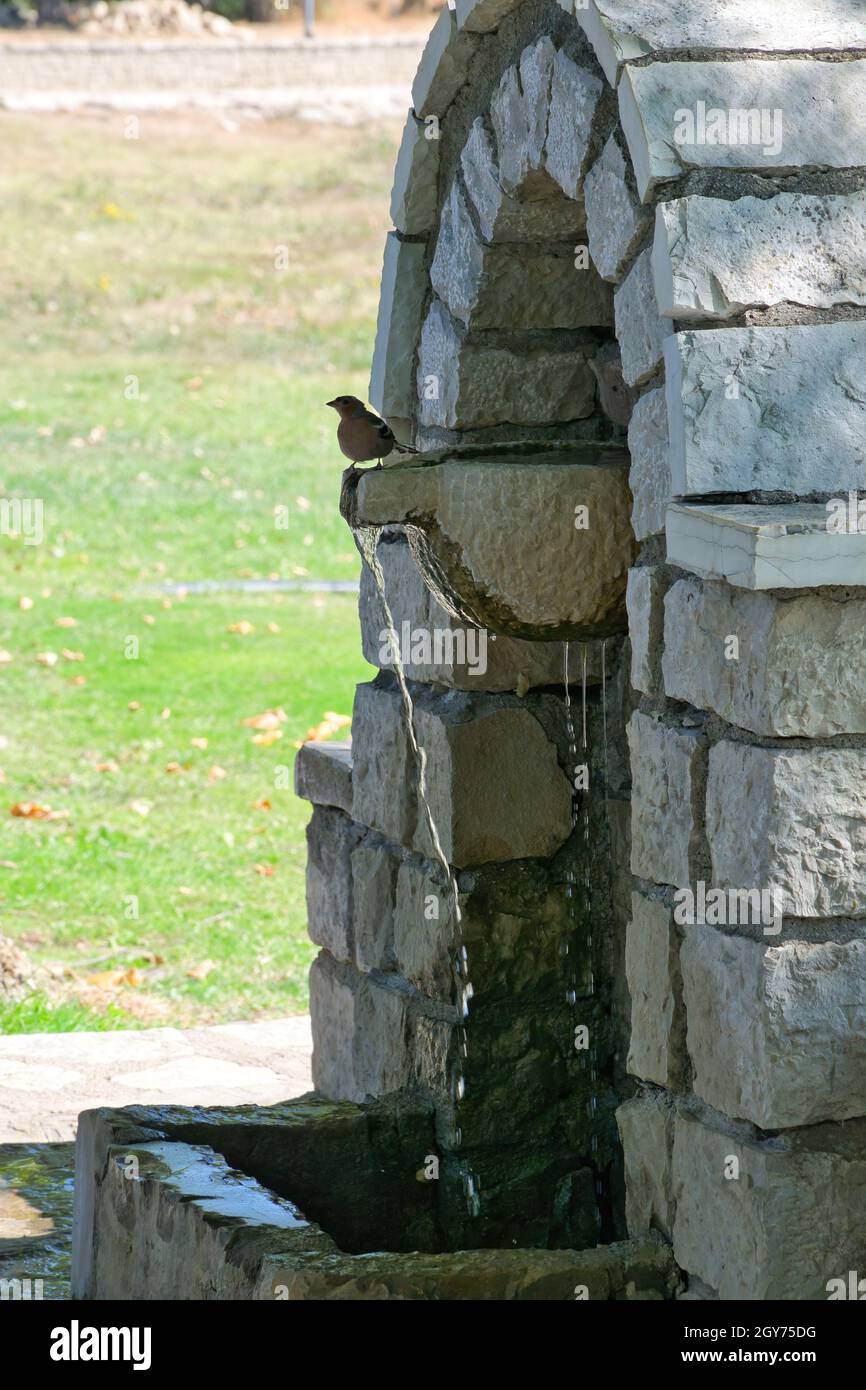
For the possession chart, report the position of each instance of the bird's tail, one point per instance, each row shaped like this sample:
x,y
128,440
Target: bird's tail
x,y
405,449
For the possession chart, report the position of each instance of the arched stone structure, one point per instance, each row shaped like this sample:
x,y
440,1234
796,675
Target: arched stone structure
x,y
712,158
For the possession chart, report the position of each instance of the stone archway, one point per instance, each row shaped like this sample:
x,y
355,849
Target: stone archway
x,y
729,221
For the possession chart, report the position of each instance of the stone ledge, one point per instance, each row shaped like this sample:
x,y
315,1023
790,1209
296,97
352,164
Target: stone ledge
x,y
323,774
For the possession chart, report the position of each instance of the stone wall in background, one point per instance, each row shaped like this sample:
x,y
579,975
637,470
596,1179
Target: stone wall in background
x,y
703,176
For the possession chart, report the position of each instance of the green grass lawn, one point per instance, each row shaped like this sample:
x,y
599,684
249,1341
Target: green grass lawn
x,y
162,394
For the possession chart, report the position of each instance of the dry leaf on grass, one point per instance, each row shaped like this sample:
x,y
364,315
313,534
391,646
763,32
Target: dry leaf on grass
x,y
265,740
198,743
264,870
262,804
47,658
268,719
5,658
331,722
69,655
108,766
31,810
141,808
201,971
217,774
66,622
25,602
113,979
243,628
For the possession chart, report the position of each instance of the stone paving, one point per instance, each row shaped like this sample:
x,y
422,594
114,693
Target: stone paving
x,y
46,1079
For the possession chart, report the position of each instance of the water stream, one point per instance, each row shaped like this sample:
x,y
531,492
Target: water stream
x,y
367,538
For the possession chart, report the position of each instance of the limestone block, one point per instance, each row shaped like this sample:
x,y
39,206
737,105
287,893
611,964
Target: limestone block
x,y
331,838
791,1220
374,883
800,664
504,218
650,474
620,30
723,389
644,597
615,398
463,385
471,659
616,224
414,193
460,515
713,258
804,838
658,1020
646,1130
776,1033
444,66
323,774
640,332
494,787
359,1033
482,16
764,547
518,114
666,772
765,112
401,301
506,287
574,98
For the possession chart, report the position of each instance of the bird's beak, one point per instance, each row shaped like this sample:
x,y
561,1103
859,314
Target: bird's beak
x,y
333,403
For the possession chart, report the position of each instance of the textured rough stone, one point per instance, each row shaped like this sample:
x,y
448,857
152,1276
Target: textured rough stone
x,y
571,586
644,597
791,1221
509,663
359,1033
646,1127
805,835
650,474
506,287
518,114
331,838
724,387
640,332
413,195
494,786
800,665
401,301
574,98
374,882
615,398
658,1021
713,258
616,224
462,385
323,774
620,30
651,97
764,547
504,218
776,1033
444,66
666,766
481,16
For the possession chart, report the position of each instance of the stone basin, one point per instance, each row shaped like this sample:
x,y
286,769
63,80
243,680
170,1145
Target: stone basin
x,y
527,543
309,1199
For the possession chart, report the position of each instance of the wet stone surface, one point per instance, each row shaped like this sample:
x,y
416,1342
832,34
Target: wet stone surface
x,y
36,1190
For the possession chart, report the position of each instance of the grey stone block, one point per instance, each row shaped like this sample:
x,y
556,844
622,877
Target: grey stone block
x,y
666,769
401,300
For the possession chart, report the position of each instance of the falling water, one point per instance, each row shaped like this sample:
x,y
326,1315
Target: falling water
x,y
580,816
368,542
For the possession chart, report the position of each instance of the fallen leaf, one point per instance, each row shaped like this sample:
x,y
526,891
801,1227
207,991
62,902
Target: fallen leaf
x,y
273,627
269,719
264,870
109,766
217,774
166,713
47,658
265,740
113,979
329,725
5,658
141,808
134,705
201,971
66,622
149,619
243,628
198,742
262,805
77,680
25,602
69,655
186,892
175,767
31,810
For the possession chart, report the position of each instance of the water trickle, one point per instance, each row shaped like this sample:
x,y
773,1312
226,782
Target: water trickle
x,y
367,538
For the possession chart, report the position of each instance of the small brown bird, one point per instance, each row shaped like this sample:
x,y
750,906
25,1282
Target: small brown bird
x,y
361,435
